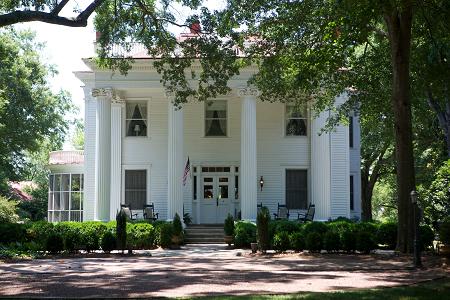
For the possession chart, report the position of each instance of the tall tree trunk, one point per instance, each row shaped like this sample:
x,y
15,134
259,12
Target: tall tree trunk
x,y
366,196
370,173
399,23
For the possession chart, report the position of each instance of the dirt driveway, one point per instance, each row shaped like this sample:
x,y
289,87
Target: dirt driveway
x,y
206,270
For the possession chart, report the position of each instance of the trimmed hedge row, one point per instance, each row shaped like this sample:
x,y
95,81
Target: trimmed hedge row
x,y
88,236
339,235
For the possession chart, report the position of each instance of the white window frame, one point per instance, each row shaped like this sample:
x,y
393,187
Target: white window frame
x,y
285,121
137,167
129,101
226,119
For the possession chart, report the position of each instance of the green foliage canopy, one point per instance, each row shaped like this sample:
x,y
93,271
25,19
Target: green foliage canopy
x,y
30,113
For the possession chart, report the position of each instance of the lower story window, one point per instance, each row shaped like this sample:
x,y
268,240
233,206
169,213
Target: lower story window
x,y
136,188
352,197
296,189
65,197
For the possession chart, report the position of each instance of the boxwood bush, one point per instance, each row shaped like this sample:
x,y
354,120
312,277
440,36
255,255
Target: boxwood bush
x,y
297,241
331,241
141,236
426,236
54,243
281,241
348,239
108,242
165,234
244,234
313,241
387,235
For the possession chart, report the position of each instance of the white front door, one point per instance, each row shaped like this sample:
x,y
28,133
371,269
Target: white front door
x,y
215,203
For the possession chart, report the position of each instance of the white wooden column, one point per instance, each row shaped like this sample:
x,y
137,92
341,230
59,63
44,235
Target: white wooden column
x,y
176,161
116,156
103,152
248,175
320,167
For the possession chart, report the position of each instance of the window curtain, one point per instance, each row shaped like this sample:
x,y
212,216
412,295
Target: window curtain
x,y
136,119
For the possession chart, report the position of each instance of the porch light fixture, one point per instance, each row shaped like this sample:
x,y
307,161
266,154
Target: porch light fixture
x,y
261,182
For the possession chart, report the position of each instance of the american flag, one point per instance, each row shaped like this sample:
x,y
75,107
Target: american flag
x,y
187,169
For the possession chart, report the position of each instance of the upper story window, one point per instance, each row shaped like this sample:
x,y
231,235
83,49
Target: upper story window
x,y
296,120
136,118
216,118
350,131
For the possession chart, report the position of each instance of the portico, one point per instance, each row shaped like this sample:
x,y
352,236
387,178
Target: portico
x,y
240,177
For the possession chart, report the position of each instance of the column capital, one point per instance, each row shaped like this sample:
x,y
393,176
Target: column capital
x,y
117,101
169,94
248,91
103,92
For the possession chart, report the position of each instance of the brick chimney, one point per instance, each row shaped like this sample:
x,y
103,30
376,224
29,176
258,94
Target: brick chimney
x,y
195,28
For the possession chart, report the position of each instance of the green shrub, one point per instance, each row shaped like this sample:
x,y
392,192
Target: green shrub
x,y
331,241
165,235
111,226
285,225
365,233
12,233
157,226
8,211
318,227
39,231
313,241
177,226
121,230
262,225
54,243
228,226
244,234
141,236
281,241
426,237
444,231
91,233
108,242
71,234
387,234
365,241
297,240
339,226
348,240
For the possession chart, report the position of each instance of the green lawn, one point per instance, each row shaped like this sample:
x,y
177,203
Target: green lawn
x,y
438,289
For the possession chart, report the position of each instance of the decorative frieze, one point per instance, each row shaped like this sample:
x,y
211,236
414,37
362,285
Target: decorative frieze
x,y
248,91
103,92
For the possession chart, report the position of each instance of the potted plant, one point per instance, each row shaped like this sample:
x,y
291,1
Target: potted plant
x,y
177,234
228,228
444,237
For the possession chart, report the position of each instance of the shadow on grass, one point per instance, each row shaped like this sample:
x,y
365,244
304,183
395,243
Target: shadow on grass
x,y
432,290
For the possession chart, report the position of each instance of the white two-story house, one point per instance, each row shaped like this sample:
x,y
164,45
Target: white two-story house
x,y
241,151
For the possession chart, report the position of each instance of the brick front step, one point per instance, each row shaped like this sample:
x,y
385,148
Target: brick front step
x,y
204,234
